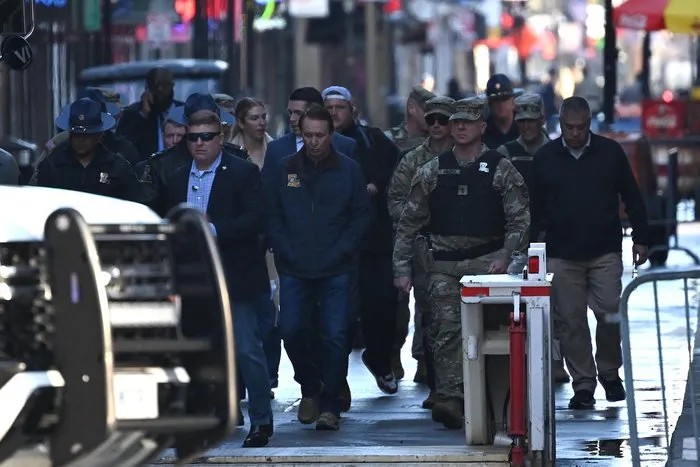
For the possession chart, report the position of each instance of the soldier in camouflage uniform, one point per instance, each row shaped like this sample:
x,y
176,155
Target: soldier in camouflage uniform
x,y
412,132
409,135
530,119
473,207
438,111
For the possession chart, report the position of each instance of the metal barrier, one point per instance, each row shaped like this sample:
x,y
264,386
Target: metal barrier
x,y
684,274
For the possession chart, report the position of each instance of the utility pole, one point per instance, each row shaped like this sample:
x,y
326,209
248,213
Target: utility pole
x,y
374,100
250,46
610,65
107,55
232,51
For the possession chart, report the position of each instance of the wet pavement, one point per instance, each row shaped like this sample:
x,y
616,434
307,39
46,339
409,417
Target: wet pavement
x,y
379,423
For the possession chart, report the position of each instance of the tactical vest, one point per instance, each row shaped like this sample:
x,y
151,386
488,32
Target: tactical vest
x,y
464,202
522,160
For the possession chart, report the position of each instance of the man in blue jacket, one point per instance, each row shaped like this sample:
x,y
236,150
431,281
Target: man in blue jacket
x,y
319,214
291,143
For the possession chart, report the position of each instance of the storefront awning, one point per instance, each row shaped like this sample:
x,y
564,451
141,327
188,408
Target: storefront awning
x,y
680,16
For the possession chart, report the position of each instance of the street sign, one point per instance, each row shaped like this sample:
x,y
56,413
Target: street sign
x,y
158,29
16,52
309,8
12,17
92,16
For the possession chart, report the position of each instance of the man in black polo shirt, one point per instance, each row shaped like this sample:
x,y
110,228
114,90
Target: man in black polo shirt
x,y
577,181
500,126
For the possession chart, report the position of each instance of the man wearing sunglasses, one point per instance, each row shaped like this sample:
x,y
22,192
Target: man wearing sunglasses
x,y
228,190
438,111
161,165
473,207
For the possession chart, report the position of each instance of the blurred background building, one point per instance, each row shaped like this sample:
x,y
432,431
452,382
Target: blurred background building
x,y
379,50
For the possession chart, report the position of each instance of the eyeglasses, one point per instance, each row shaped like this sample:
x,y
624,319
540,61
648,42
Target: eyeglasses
x,y
440,119
206,136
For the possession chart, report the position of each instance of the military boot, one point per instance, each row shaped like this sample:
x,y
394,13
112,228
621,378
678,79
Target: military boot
x,y
559,374
421,376
450,413
429,402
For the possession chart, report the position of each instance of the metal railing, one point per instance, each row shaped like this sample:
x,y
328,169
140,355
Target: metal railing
x,y
685,274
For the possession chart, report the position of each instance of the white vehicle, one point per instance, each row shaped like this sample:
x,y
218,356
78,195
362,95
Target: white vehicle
x,y
115,331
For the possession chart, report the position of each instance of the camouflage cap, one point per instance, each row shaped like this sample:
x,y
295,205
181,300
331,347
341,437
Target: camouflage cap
x,y
421,95
472,109
440,105
529,107
225,101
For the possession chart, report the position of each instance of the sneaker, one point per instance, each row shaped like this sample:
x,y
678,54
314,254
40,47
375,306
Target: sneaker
x,y
328,421
386,383
614,390
559,374
397,367
308,410
582,400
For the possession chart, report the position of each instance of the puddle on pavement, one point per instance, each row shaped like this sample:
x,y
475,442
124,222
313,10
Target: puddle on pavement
x,y
618,448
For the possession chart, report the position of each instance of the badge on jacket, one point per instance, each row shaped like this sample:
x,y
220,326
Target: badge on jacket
x,y
293,181
484,167
104,178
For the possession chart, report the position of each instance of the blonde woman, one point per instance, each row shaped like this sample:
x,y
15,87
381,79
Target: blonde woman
x,y
250,133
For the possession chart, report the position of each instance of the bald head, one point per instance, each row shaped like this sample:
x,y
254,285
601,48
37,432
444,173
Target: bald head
x,y
160,83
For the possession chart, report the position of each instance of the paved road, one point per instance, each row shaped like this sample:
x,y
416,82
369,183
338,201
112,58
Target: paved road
x,y
595,437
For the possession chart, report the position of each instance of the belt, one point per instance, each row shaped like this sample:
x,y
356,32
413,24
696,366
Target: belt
x,y
469,253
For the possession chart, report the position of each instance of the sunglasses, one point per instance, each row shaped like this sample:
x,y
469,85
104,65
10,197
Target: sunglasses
x,y
207,136
440,119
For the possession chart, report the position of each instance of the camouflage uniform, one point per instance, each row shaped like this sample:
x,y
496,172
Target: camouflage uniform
x,y
406,142
399,188
399,134
444,275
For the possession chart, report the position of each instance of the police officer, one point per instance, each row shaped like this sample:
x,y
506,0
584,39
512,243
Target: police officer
x,y
83,163
227,103
115,143
413,131
473,206
529,119
438,111
161,165
500,126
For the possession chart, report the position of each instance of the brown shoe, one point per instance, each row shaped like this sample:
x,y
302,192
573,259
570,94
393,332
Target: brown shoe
x,y
559,374
328,422
450,413
429,403
308,410
396,367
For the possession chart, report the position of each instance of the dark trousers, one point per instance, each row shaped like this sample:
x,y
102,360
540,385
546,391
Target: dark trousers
x,y
299,299
250,357
272,346
378,302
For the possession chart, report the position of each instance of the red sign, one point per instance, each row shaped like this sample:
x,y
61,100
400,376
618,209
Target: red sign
x,y
663,119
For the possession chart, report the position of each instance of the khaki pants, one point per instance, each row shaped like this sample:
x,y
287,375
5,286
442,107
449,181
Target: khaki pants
x,y
578,285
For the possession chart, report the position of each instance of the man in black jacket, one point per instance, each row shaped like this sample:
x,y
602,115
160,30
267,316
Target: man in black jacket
x,y
161,165
83,163
142,122
577,182
228,190
378,300
318,217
